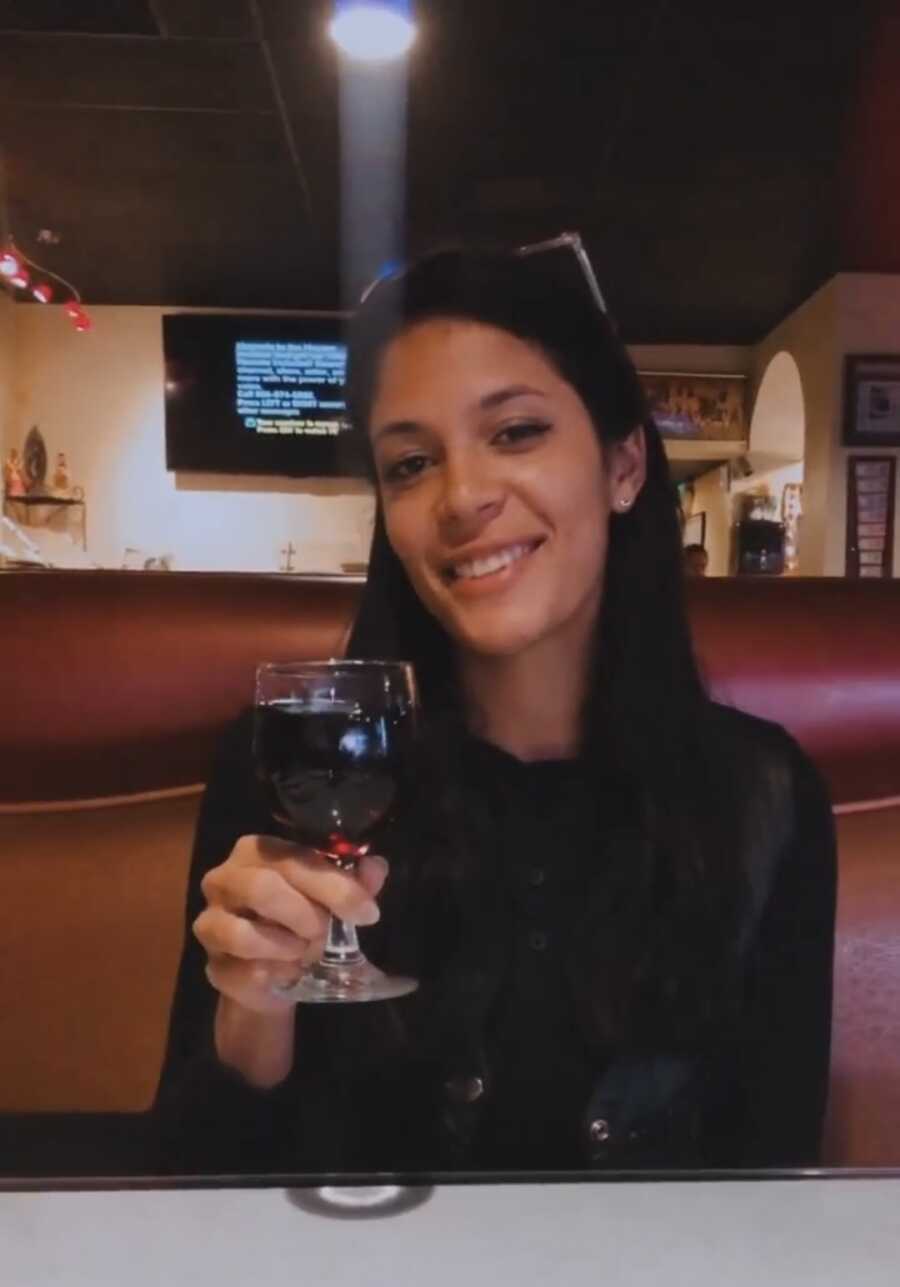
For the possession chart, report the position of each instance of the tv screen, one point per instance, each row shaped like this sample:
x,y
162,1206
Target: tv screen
x,y
254,394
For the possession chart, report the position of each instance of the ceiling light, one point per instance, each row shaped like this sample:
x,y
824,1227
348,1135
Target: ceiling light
x,y
373,32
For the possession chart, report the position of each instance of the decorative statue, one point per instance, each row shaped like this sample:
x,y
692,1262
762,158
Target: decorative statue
x,y
61,482
13,477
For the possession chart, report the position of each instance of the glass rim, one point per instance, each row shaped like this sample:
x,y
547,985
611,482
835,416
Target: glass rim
x,y
331,665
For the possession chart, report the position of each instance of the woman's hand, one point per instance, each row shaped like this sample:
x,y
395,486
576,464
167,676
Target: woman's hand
x,y
267,916
265,920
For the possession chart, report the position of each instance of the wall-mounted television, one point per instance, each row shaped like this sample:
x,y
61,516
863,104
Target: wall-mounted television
x,y
256,394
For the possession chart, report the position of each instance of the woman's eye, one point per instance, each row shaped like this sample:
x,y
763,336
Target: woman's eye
x,y
402,471
522,432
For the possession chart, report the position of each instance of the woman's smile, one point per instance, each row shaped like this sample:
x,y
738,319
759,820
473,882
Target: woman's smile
x,y
495,493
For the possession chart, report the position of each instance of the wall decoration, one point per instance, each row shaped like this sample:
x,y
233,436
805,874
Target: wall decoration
x,y
35,456
871,481
872,400
13,474
707,407
26,278
791,514
695,529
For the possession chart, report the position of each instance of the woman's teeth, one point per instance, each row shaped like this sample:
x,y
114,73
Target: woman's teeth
x,y
493,563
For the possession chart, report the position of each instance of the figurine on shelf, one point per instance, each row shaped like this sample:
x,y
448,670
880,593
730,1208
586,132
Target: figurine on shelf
x,y
62,485
13,477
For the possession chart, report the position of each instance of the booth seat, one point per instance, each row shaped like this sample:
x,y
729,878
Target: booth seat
x,y
114,687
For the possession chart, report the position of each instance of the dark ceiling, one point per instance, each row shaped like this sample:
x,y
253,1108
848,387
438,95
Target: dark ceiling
x,y
698,145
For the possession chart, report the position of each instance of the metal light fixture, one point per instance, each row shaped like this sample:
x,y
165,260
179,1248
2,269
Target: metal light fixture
x,y
373,30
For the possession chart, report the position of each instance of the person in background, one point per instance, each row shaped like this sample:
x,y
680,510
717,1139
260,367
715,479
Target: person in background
x,y
617,894
696,560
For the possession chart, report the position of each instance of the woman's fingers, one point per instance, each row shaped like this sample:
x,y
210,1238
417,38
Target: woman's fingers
x,y
267,914
373,872
265,892
305,871
253,984
321,881
221,932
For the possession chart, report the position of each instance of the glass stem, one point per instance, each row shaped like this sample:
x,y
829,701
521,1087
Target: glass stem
x,y
342,945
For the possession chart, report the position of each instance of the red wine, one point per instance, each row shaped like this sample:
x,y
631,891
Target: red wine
x,y
330,770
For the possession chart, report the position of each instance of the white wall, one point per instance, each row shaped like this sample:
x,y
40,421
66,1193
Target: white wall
x,y
98,397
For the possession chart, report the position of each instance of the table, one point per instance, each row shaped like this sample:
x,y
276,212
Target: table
x,y
801,1233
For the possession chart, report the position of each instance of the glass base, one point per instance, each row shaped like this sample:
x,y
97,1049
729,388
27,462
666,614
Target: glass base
x,y
360,1202
359,981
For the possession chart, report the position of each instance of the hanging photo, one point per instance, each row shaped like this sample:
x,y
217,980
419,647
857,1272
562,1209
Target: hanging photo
x,y
709,407
872,400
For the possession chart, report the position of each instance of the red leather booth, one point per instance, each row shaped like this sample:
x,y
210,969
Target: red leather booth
x,y
115,685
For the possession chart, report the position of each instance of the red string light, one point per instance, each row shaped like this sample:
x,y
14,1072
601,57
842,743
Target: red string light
x,y
15,272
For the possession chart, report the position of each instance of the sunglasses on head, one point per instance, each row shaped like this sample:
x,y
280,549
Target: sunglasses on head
x,y
566,241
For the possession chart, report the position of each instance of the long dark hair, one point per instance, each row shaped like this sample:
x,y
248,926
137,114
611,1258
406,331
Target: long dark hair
x,y
656,942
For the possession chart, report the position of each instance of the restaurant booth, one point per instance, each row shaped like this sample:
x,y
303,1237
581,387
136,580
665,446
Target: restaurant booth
x,y
115,687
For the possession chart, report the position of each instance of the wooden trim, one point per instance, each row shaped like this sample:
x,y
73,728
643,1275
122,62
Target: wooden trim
x,y
867,806
197,788
101,802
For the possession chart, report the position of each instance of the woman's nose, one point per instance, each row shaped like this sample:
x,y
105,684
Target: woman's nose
x,y
469,496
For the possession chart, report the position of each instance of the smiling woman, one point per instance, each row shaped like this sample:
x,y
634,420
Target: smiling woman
x,y
618,896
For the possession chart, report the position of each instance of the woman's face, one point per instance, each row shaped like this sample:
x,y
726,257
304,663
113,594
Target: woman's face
x,y
495,490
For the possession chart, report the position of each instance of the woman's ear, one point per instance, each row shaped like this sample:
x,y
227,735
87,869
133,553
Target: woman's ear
x,y
626,470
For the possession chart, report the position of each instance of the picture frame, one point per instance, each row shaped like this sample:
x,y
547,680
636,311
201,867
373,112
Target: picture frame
x,y
695,529
871,400
690,406
869,550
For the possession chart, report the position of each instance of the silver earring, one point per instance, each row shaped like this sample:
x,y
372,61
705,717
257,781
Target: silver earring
x,y
624,502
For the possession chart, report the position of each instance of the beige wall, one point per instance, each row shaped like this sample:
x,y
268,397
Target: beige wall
x,y
711,497
99,398
868,321
853,313
697,359
809,335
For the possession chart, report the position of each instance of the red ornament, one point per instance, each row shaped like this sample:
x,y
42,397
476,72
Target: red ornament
x,y
42,292
20,278
83,322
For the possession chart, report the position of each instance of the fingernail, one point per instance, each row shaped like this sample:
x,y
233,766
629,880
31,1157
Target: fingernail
x,y
369,914
381,863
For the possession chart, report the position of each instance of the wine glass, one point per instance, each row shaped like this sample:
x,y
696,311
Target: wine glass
x,y
328,741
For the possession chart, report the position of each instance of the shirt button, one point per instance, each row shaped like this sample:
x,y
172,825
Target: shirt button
x,y
537,940
537,876
464,1090
599,1130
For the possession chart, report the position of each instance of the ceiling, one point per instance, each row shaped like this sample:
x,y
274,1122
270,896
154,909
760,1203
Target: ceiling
x,y
187,151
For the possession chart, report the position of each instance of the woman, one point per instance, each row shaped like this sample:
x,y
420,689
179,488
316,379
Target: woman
x,y
618,895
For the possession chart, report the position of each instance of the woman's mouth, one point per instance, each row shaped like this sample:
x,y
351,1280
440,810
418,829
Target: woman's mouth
x,y
489,571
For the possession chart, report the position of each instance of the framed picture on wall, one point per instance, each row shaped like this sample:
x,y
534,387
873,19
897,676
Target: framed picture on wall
x,y
695,529
870,516
872,400
704,407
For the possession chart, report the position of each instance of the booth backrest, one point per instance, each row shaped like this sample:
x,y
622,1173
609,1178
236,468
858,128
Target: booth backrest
x,y
115,685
